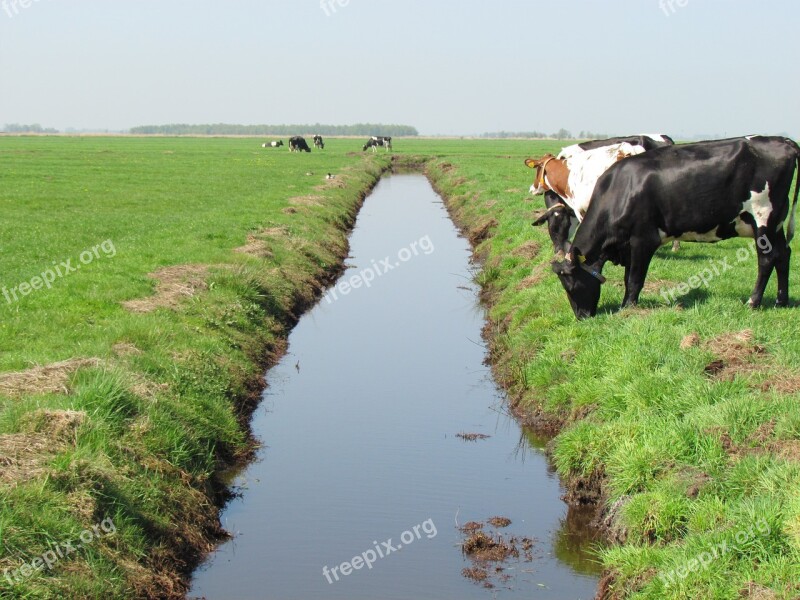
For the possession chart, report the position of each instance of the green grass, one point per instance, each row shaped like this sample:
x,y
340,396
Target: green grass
x,y
161,416
688,461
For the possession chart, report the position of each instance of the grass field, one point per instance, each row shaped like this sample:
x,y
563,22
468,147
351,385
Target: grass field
x,y
159,377
120,397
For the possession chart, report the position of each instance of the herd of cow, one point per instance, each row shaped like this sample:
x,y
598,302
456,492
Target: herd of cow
x,y
298,143
620,199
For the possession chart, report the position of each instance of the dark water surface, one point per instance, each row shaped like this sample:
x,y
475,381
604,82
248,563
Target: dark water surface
x,y
359,425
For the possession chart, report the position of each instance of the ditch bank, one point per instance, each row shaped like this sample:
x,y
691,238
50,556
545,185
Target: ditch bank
x,y
677,424
152,466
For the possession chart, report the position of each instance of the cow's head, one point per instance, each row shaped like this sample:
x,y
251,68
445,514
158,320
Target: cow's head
x,y
582,283
540,164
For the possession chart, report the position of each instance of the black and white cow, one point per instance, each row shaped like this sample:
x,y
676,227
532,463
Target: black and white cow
x,y
277,144
703,192
375,141
319,144
559,216
298,144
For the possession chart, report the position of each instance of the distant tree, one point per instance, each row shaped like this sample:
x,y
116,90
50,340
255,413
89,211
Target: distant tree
x,y
232,129
562,134
34,128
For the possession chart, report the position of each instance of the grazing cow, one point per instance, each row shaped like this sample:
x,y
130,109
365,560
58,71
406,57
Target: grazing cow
x,y
703,192
298,144
559,216
277,144
318,143
375,141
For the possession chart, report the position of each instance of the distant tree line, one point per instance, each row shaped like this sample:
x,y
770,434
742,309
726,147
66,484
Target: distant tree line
x,y
285,130
561,134
35,128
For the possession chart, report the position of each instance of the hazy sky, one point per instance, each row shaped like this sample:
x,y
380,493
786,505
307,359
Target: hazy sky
x,y
683,67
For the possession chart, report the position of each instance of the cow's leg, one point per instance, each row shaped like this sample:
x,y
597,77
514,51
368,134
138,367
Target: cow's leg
x,y
641,253
784,254
782,269
767,251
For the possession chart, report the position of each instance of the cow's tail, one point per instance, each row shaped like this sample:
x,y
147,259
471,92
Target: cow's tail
x,y
790,226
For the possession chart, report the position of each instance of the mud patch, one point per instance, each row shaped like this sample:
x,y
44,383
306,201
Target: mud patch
x,y
490,551
736,354
472,437
47,379
529,250
173,285
788,383
481,231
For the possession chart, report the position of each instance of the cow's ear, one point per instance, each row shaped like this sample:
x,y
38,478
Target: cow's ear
x,y
574,255
530,163
563,267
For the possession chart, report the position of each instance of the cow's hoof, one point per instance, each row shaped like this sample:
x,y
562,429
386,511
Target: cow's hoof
x,y
753,304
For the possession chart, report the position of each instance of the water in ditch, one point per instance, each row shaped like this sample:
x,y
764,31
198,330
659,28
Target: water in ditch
x,y
363,477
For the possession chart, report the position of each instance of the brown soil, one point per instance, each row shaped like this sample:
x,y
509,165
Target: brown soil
x,y
47,379
472,437
173,285
481,231
483,547
529,250
476,574
736,354
499,522
471,526
783,383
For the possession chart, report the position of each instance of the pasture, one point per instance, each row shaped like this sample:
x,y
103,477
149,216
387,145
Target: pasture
x,y
681,414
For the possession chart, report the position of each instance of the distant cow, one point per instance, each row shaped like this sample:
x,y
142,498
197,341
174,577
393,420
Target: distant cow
x,y
584,163
277,144
375,141
318,143
703,192
298,144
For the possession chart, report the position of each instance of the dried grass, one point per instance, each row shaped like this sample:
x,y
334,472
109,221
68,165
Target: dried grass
x,y
173,285
46,379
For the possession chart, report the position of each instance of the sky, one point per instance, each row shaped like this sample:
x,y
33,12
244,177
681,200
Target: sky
x,y
447,67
